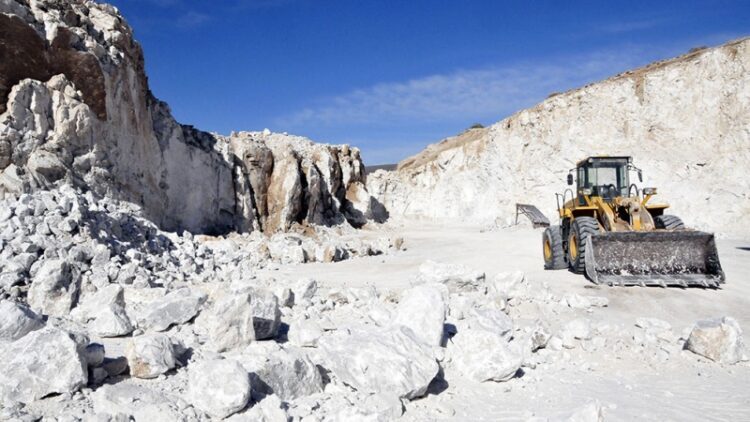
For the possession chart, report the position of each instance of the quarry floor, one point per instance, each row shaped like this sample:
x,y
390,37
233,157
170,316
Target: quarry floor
x,y
628,384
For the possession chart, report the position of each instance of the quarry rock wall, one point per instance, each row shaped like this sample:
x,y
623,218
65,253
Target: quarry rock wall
x,y
75,107
686,122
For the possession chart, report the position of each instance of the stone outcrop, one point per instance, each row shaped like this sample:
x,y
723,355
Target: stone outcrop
x,y
280,180
683,120
75,107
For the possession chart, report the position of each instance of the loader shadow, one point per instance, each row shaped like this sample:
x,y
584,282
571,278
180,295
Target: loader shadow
x,y
744,248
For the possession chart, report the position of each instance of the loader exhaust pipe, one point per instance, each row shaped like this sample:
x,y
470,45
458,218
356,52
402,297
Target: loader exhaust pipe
x,y
658,258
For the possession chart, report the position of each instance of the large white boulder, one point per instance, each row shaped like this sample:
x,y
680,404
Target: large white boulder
x,y
483,355
53,288
43,362
384,360
286,372
237,319
17,320
422,309
176,307
719,339
104,311
150,355
456,277
218,387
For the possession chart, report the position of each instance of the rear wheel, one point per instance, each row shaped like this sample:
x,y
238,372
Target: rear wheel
x,y
580,230
668,222
552,248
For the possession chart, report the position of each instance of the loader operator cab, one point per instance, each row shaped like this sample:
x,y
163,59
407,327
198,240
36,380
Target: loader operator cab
x,y
605,177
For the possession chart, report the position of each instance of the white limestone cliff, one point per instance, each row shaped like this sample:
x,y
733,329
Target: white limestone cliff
x,y
685,121
75,107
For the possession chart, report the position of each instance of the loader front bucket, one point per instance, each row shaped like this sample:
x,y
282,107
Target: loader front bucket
x,y
658,258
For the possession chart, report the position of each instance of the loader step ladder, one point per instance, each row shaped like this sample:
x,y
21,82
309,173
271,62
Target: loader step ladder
x,y
534,215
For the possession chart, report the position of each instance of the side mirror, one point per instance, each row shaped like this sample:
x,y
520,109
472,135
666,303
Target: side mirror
x,y
640,176
570,178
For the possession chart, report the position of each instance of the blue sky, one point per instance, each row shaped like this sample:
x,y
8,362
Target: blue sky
x,y
393,76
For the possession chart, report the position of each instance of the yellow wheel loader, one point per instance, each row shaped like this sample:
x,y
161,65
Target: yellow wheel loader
x,y
611,232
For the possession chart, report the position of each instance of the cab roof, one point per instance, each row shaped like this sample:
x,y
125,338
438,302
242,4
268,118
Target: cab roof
x,y
629,159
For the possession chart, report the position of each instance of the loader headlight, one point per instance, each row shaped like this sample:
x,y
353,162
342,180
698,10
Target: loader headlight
x,y
649,191
586,191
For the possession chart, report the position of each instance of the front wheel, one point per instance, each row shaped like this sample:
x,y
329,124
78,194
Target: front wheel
x,y
552,249
668,222
580,230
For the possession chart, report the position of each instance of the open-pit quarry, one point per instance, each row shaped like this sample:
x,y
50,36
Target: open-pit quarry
x,y
151,271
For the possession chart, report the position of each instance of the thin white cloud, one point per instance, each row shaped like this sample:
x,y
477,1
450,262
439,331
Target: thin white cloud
x,y
192,19
468,95
631,26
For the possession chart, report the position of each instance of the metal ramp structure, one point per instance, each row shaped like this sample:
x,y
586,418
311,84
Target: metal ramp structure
x,y
533,214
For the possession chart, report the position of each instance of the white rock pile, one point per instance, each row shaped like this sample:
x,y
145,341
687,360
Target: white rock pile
x,y
58,245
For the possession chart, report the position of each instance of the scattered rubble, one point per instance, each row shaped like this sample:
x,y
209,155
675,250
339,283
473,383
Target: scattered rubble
x,y
455,277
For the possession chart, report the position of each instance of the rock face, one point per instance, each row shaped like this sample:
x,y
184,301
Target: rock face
x,y
218,387
718,339
75,107
683,120
43,362
281,179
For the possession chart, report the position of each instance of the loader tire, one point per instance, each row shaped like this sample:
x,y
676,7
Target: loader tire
x,y
552,249
580,230
668,222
